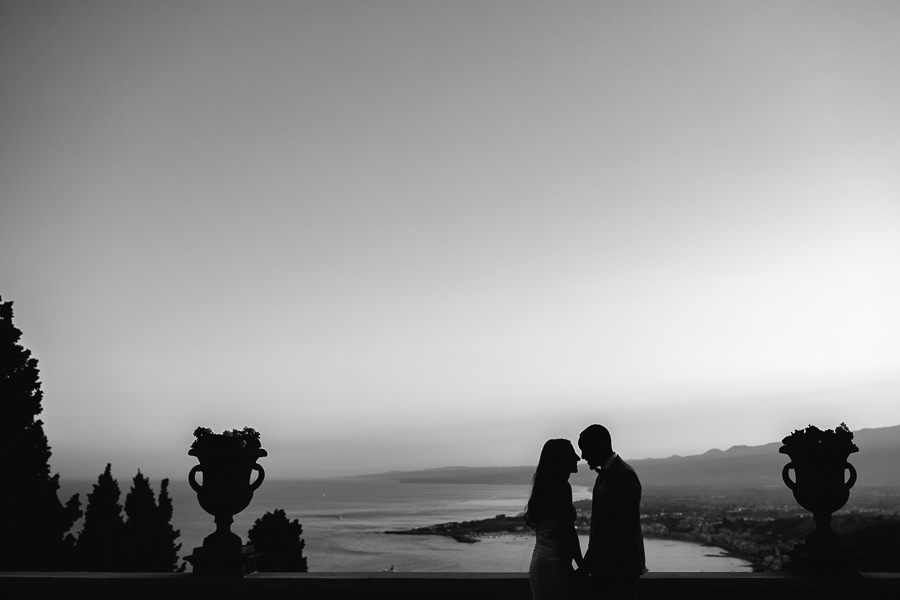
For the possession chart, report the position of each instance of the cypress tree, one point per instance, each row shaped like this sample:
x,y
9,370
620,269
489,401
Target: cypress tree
x,y
168,553
33,521
100,543
140,508
149,541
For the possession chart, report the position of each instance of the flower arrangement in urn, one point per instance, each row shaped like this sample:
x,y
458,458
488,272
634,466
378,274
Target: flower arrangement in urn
x,y
813,436
246,438
821,485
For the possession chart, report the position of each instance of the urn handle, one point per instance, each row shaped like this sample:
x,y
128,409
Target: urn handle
x,y
852,479
259,478
786,478
192,477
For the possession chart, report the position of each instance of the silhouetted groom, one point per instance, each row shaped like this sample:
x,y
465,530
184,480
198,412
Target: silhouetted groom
x,y
615,556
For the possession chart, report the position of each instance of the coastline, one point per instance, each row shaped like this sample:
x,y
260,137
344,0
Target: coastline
x,y
473,531
663,555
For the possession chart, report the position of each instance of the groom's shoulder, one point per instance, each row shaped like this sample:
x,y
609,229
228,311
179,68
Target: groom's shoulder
x,y
625,466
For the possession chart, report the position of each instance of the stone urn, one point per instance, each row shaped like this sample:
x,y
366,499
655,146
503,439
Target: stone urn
x,y
227,462
821,485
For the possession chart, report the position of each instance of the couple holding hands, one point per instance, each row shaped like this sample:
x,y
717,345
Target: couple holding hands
x,y
614,559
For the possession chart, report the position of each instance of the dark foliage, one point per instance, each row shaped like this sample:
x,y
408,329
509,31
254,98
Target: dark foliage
x,y
100,542
145,542
149,540
34,522
168,551
279,541
246,438
875,538
812,435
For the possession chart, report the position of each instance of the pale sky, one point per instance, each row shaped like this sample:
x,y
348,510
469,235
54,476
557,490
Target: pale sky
x,y
406,234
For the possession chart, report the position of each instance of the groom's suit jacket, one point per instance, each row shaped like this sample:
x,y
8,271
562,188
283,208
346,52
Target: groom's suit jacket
x,y
616,545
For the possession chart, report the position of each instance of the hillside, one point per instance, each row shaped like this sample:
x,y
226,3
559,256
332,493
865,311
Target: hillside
x,y
738,468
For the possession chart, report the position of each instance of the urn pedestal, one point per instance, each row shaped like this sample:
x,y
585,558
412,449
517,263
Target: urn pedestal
x,y
822,483
225,491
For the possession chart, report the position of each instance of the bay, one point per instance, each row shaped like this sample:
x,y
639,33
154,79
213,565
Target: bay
x,y
344,520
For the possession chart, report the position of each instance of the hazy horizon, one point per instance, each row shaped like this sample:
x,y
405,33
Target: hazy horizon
x,y
124,479
405,234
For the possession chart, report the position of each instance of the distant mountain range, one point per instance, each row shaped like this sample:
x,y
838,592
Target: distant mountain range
x,y
740,467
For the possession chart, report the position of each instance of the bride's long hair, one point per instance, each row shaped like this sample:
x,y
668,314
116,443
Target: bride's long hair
x,y
554,466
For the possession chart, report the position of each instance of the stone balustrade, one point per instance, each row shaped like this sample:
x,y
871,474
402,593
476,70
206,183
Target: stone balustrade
x,y
439,586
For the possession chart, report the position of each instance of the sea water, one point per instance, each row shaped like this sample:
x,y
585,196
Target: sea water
x,y
345,519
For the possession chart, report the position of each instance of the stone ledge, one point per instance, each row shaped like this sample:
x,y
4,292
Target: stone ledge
x,y
468,586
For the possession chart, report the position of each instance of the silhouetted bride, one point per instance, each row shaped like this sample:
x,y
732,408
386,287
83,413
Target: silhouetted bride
x,y
552,516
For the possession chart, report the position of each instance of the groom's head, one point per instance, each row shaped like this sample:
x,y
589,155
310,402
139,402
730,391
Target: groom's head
x,y
596,445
